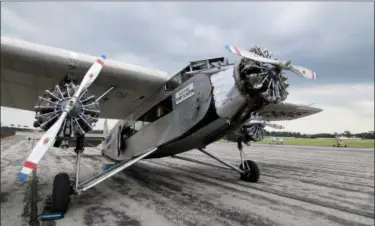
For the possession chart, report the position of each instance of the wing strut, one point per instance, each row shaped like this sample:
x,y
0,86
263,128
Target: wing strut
x,y
111,171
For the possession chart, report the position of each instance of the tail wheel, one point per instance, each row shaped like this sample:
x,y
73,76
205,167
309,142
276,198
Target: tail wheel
x,y
252,172
60,193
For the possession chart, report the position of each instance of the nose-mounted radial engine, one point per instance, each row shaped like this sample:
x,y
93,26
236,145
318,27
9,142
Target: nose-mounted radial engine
x,y
259,78
80,119
258,74
262,79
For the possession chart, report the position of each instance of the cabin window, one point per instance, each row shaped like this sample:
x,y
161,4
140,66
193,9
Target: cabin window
x,y
159,110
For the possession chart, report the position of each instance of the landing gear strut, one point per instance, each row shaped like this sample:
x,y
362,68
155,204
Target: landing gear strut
x,y
63,187
248,169
251,170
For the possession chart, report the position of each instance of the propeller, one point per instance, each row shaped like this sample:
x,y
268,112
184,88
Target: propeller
x,y
301,71
49,137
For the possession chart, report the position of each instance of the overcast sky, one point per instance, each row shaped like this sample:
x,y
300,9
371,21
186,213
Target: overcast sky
x,y
334,39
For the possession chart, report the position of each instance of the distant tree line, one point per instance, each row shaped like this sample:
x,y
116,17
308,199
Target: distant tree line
x,y
363,135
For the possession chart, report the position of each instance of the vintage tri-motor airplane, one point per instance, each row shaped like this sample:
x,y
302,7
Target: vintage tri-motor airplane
x,y
159,115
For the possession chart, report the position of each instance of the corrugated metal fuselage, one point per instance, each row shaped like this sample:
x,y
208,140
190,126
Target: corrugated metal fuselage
x,y
193,115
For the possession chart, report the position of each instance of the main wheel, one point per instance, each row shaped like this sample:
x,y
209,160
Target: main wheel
x,y
252,172
60,193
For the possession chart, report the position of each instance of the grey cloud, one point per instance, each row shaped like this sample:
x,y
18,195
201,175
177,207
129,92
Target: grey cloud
x,y
334,39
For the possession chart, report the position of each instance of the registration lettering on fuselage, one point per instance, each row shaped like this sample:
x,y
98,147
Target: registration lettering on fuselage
x,y
185,93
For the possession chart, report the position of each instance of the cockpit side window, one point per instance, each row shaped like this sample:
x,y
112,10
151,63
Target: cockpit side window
x,y
178,79
174,82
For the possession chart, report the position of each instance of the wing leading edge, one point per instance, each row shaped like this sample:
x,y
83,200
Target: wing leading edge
x,y
28,69
287,111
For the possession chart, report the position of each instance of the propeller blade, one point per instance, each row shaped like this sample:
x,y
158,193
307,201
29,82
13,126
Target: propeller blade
x,y
49,137
301,71
90,76
250,55
45,142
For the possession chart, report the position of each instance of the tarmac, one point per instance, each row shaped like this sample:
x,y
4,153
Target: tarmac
x,y
298,186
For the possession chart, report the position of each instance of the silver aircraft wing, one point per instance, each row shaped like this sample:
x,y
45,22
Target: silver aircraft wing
x,y
286,111
28,69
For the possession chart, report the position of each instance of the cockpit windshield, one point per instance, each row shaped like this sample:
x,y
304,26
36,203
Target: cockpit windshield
x,y
186,73
178,79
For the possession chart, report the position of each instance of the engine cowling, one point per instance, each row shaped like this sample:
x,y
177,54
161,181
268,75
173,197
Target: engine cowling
x,y
79,121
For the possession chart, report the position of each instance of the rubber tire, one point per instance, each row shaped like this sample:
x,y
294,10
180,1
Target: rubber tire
x,y
60,193
251,175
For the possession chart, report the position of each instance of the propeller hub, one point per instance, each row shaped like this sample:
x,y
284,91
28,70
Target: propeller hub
x,y
82,112
67,103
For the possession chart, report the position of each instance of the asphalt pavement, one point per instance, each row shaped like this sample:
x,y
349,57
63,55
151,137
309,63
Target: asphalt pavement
x,y
298,186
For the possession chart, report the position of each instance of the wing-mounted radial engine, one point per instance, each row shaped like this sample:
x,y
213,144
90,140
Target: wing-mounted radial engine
x,y
254,130
66,108
79,121
70,109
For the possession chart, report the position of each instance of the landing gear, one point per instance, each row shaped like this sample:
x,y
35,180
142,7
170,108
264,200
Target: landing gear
x,y
62,186
60,193
248,169
252,172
